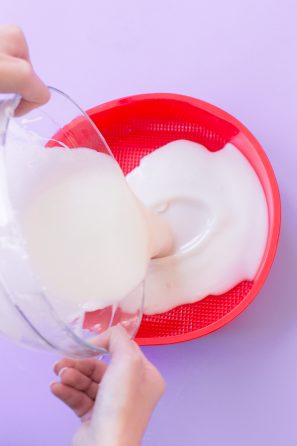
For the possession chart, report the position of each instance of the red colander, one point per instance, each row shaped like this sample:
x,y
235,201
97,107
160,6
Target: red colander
x,y
137,125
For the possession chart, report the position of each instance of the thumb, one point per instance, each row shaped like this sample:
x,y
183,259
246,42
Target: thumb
x,y
120,343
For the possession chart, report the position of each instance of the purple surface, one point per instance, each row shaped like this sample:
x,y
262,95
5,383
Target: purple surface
x,y
239,385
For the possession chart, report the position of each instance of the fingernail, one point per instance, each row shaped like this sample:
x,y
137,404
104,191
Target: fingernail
x,y
55,365
62,371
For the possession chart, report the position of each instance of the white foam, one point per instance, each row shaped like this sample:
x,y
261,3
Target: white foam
x,y
216,207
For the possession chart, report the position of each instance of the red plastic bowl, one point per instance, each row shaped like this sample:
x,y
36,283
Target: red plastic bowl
x,y
137,125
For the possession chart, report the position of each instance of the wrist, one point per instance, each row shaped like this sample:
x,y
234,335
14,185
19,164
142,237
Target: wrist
x,y
114,433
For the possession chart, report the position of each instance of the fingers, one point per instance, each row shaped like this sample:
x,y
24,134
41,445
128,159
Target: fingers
x,y
79,383
73,378
16,71
91,368
26,106
13,42
65,362
130,360
17,76
78,401
80,378
120,344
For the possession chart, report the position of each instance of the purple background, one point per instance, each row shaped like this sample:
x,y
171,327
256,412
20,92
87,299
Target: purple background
x,y
239,385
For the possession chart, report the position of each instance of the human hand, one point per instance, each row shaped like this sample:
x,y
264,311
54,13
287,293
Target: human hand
x,y
114,401
16,71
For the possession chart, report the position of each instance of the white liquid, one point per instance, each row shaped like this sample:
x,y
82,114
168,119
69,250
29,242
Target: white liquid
x,y
87,236
218,213
90,240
